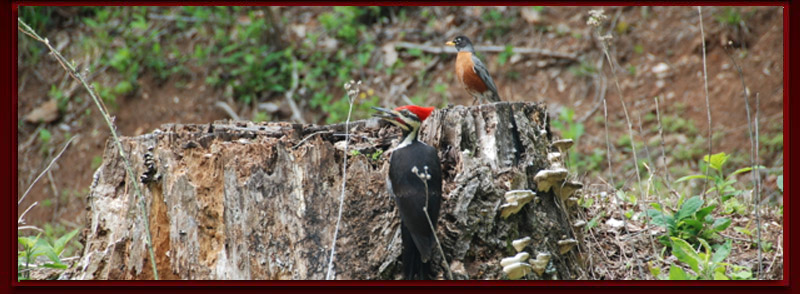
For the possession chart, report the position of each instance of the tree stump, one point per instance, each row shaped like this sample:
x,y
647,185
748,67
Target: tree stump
x,y
239,200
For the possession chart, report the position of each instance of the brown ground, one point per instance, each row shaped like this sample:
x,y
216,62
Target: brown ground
x,y
666,34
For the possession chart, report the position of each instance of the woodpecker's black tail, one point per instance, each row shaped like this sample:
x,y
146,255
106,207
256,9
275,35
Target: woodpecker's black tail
x,y
413,267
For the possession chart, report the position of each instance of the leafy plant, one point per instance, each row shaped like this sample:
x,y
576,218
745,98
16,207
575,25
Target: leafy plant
x,y
34,247
721,184
705,265
692,222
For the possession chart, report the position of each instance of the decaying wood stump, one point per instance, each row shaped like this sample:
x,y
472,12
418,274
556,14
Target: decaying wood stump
x,y
238,200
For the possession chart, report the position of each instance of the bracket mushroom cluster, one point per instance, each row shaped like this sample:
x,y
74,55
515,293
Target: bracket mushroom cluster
x,y
519,265
555,176
515,200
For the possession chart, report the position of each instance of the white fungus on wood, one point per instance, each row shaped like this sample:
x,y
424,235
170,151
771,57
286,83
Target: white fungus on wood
x,y
566,245
549,177
517,270
520,244
566,189
515,200
562,144
520,257
540,263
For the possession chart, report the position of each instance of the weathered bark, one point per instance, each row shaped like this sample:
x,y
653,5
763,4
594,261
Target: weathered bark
x,y
260,201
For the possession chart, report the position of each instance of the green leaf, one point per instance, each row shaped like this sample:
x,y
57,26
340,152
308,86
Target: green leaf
x,y
743,231
658,218
707,247
779,182
701,214
741,170
685,253
655,271
742,275
722,252
720,276
677,273
691,177
717,160
656,206
27,242
721,224
695,224
90,22
59,244
592,223
55,265
45,136
689,208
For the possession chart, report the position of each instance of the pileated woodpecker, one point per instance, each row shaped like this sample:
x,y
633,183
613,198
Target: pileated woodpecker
x,y
415,181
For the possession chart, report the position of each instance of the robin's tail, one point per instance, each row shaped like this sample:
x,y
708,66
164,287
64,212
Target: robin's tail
x,y
494,97
413,267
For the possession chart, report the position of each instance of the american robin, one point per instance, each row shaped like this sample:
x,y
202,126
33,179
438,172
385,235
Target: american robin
x,y
472,73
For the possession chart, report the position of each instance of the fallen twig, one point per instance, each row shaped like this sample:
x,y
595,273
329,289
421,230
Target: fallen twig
x,y
227,108
708,105
46,169
296,114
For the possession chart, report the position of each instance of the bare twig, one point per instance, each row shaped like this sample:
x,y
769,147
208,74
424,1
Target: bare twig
x,y
22,228
352,95
296,114
425,176
55,194
46,169
753,155
227,108
70,68
518,50
598,16
309,137
20,219
663,154
757,180
708,105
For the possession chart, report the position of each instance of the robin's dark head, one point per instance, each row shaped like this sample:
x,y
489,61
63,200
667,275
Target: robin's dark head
x,y
461,43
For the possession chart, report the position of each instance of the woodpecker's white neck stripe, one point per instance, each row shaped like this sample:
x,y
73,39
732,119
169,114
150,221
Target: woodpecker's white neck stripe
x,y
406,141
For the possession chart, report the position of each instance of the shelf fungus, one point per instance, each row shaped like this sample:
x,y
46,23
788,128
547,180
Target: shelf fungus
x,y
572,201
566,189
562,144
520,257
517,270
555,159
548,178
515,200
579,224
566,245
540,263
520,244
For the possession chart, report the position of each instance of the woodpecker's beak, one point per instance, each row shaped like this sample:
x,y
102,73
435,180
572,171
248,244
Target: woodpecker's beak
x,y
390,115
387,114
450,43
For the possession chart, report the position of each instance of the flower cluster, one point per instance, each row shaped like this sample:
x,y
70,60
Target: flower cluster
x,y
352,93
596,17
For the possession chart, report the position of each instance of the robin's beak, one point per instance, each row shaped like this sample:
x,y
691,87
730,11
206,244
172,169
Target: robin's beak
x,y
450,43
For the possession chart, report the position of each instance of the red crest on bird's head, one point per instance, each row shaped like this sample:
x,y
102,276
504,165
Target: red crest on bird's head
x,y
421,112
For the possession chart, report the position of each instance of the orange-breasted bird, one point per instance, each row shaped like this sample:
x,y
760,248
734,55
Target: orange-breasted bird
x,y
472,73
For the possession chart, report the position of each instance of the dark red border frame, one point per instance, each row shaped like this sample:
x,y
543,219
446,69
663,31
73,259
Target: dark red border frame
x,y
790,37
